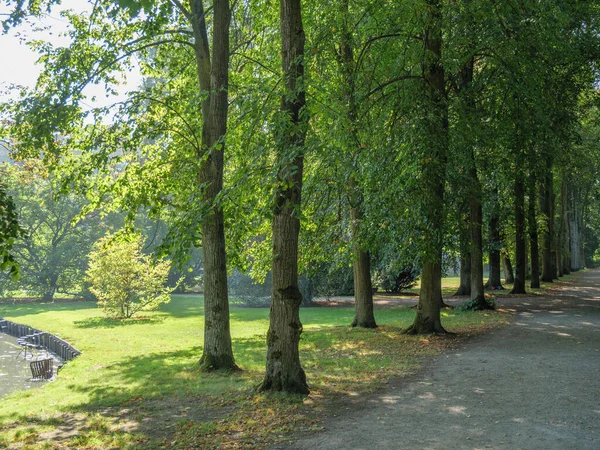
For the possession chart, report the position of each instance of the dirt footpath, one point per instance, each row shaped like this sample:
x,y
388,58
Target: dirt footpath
x,y
532,385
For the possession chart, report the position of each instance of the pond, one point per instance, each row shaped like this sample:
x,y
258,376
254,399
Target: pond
x,y
15,373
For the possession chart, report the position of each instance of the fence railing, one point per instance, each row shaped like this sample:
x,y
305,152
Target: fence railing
x,y
60,348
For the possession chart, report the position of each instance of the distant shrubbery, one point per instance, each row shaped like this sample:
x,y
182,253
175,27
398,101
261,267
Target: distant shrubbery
x,y
394,280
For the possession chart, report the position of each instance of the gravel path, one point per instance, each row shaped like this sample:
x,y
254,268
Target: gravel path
x,y
534,384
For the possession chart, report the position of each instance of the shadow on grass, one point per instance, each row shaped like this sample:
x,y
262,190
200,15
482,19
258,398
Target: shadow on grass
x,y
184,305
169,374
107,322
27,309
249,314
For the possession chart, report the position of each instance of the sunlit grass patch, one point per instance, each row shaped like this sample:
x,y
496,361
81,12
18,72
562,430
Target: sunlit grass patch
x,y
137,383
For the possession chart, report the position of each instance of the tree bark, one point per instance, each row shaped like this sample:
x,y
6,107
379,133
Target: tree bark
x,y
575,230
477,295
465,256
546,200
520,243
433,167
363,290
533,233
568,258
582,226
48,296
51,288
553,235
494,281
214,80
283,369
509,276
477,290
564,226
361,261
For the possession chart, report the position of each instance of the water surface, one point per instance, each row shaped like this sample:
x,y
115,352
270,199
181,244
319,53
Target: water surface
x,y
15,373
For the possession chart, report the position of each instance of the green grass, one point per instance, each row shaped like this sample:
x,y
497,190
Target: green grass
x,y
138,376
451,284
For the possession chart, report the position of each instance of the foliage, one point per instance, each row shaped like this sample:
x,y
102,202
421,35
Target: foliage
x,y
53,248
331,280
10,229
391,279
124,280
473,304
243,289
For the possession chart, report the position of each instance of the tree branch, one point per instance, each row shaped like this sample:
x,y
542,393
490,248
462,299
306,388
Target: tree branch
x,y
186,12
273,71
106,66
378,38
392,81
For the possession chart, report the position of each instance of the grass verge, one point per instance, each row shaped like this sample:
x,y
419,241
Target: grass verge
x,y
137,384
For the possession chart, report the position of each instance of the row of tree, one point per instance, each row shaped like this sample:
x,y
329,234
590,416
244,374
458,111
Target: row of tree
x,y
376,128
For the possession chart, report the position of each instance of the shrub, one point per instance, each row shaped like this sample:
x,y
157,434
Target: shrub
x,y
391,279
125,280
473,305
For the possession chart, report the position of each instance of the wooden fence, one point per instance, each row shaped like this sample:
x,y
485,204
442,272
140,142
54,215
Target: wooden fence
x,y
62,349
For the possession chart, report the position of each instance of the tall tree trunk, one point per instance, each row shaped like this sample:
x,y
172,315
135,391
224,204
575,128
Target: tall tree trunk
x,y
533,233
433,167
494,281
476,214
546,200
575,229
51,286
214,81
477,291
520,243
283,369
48,296
465,256
564,225
363,290
568,259
509,276
361,261
554,234
582,226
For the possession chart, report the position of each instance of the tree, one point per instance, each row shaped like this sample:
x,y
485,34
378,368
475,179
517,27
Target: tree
x,y
56,240
9,231
214,80
124,280
283,369
532,225
519,212
464,287
468,108
361,260
164,148
433,169
494,243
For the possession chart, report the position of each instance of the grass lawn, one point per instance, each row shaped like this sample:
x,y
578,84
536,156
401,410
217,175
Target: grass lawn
x,y
137,384
451,284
